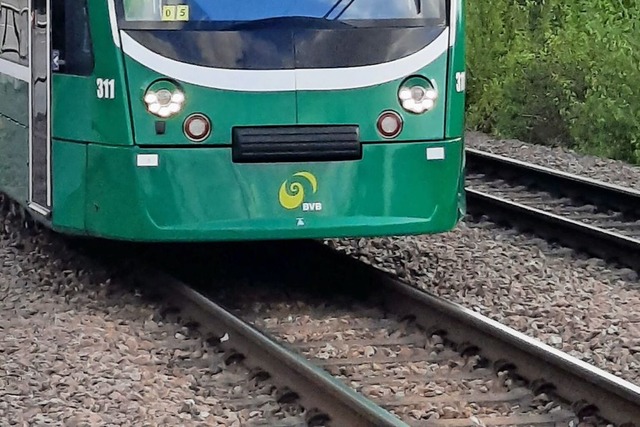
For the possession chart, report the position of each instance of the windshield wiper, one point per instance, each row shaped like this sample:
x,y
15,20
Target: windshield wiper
x,y
336,4
344,10
300,21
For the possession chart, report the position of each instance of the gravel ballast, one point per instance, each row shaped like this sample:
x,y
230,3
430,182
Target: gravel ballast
x,y
612,171
579,305
415,375
79,346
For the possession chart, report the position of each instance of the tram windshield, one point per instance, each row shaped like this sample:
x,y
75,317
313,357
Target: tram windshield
x,y
356,12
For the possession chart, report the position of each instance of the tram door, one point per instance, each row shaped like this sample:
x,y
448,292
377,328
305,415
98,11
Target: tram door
x,y
39,96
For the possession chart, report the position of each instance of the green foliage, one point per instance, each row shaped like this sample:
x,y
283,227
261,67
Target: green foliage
x,y
557,72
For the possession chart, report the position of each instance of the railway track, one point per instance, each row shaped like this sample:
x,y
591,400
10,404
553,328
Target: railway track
x,y
592,216
370,350
299,380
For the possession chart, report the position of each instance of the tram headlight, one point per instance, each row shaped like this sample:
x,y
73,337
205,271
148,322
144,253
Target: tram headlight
x,y
164,99
417,95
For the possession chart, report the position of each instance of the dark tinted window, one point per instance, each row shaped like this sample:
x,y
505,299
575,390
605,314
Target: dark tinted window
x,y
71,38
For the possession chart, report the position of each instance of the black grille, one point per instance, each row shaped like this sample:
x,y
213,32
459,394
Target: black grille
x,y
296,144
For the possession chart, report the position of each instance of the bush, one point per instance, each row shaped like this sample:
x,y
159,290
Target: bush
x,y
557,72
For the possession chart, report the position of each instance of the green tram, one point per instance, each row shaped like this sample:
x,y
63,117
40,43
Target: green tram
x,y
203,120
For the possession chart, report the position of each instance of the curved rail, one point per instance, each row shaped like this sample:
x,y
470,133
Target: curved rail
x,y
597,241
588,189
617,400
605,239
315,387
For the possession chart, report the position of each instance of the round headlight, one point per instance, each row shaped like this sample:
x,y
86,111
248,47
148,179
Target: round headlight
x,y
417,95
164,99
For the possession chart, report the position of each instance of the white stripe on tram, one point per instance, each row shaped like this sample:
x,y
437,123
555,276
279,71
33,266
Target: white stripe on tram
x,y
113,19
17,71
287,80
454,21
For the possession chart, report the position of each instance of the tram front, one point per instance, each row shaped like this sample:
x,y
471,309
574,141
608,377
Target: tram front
x,y
261,119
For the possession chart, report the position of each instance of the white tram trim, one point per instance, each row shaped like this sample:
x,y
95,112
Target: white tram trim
x,y
287,80
113,19
454,21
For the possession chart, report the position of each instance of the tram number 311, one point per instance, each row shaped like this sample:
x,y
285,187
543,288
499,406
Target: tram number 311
x,y
106,88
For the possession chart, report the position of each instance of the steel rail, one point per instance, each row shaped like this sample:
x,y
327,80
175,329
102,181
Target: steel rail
x,y
591,190
594,240
590,238
617,400
315,387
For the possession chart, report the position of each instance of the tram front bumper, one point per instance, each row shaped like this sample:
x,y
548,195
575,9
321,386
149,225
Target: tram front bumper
x,y
199,194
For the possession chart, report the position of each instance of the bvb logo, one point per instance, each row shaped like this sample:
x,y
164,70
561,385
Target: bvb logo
x,y
292,195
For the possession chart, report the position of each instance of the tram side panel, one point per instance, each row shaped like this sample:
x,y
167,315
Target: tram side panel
x,y
14,98
89,102
89,106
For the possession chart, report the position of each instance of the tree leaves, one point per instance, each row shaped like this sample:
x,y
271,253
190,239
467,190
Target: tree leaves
x,y
550,71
